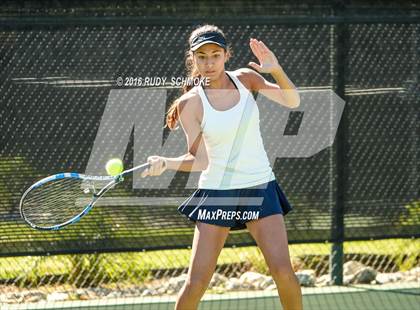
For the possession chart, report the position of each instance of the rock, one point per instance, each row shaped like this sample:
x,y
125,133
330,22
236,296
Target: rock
x,y
115,294
348,279
382,278
248,286
162,290
323,280
233,284
57,296
146,292
271,287
82,294
410,279
306,277
154,292
355,272
91,294
217,280
414,272
132,292
150,292
365,276
80,291
253,280
175,284
3,299
266,283
34,296
100,291
351,268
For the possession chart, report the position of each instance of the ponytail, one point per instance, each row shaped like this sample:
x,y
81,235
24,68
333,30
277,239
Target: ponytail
x,y
172,115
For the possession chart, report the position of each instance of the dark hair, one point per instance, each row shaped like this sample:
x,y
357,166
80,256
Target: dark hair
x,y
192,72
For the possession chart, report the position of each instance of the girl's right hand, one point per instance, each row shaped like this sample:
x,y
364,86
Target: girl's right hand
x,y
158,165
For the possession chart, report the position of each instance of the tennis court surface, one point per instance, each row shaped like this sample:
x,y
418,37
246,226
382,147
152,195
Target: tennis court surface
x,y
386,297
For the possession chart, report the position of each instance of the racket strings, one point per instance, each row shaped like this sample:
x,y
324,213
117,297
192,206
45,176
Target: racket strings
x,y
53,191
58,201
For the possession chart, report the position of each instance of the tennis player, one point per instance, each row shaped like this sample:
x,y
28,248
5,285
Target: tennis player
x,y
237,188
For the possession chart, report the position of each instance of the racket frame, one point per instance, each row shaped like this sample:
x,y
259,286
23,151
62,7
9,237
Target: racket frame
x,y
113,180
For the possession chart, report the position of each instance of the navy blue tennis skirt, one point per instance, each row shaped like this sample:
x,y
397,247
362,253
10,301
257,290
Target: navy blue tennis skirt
x,y
234,207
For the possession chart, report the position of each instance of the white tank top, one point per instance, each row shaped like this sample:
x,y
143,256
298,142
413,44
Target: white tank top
x,y
235,150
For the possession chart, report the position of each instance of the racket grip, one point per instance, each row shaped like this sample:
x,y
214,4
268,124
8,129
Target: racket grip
x,y
142,167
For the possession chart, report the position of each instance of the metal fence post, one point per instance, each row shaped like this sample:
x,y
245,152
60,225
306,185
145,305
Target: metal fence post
x,y
340,45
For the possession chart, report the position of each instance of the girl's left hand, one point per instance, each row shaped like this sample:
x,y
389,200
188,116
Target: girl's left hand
x,y
268,61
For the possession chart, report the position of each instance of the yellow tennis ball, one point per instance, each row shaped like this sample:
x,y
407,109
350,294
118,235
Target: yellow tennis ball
x,y
114,166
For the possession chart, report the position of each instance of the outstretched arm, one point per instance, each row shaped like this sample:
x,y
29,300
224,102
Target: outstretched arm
x,y
284,92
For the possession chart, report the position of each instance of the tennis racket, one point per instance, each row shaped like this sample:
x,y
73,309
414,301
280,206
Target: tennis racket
x,y
63,199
